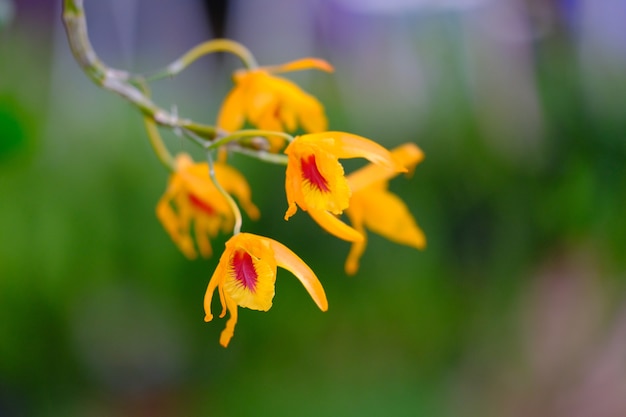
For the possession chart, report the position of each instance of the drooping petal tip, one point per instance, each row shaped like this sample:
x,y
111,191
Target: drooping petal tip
x,y
303,64
287,259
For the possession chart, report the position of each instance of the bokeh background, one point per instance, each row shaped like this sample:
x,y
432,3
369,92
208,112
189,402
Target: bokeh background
x,y
516,308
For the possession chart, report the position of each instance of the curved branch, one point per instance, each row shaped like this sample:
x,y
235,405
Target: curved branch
x,y
117,81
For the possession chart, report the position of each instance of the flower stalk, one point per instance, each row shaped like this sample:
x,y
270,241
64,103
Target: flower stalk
x,y
205,48
234,207
165,157
247,133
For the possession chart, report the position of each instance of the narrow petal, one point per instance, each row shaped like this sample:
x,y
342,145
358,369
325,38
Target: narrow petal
x,y
202,230
334,226
356,215
303,64
202,239
407,155
353,146
293,175
387,215
174,224
346,145
229,330
185,215
214,282
285,258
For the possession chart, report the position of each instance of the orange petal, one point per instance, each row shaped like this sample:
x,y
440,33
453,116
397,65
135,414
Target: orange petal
x,y
231,116
356,215
346,145
176,224
407,155
334,226
386,214
229,330
285,258
302,64
313,118
202,233
214,282
292,188
253,289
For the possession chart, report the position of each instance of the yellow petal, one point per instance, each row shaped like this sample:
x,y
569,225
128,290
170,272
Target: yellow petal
x,y
260,103
302,64
271,121
407,155
202,237
231,116
347,145
387,215
288,118
250,272
285,258
175,224
229,330
198,184
334,226
313,118
287,97
356,215
324,186
214,282
293,190
314,177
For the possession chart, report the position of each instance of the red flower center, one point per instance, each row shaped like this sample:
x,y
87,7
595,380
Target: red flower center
x,y
200,204
244,270
311,174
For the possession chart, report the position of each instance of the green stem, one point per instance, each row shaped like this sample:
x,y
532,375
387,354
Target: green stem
x,y
205,48
158,146
229,199
274,158
245,134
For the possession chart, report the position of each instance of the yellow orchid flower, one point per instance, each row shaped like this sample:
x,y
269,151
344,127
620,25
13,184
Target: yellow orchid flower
x,y
315,180
246,274
374,207
191,196
273,103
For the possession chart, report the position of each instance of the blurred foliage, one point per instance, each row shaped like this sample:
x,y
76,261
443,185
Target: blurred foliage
x,y
103,316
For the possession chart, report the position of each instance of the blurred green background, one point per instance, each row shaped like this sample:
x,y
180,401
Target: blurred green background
x,y
516,308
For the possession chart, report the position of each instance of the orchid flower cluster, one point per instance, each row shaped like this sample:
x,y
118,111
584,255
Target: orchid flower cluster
x,y
261,117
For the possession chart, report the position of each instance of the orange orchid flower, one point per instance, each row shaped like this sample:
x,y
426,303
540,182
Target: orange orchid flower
x,y
246,274
191,197
374,207
273,103
315,180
